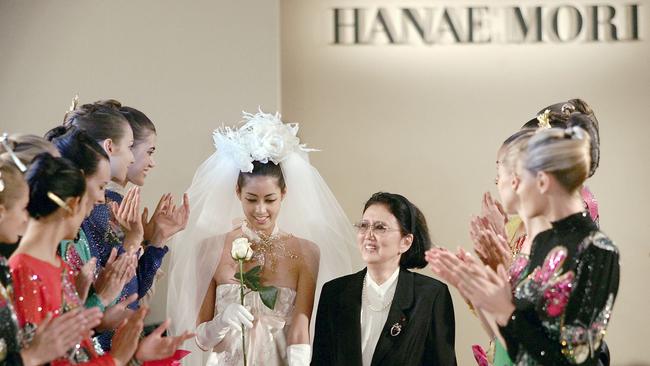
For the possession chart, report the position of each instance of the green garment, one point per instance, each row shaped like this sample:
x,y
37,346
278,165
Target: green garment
x,y
501,357
82,251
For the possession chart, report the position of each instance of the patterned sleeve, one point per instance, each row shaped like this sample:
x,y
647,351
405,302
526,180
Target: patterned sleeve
x,y
148,266
581,314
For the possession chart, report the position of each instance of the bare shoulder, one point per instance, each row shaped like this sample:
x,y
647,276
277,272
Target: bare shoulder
x,y
308,248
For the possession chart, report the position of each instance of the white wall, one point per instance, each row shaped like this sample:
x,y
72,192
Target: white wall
x,y
189,65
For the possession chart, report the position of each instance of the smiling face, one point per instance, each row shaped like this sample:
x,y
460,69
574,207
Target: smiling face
x,y
381,248
261,199
14,216
143,154
96,185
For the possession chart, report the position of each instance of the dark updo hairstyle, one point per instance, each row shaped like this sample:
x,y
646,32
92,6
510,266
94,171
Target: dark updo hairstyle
x,y
101,120
574,113
75,145
411,221
139,122
56,175
269,169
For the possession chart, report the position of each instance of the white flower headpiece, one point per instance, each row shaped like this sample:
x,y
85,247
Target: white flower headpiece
x,y
262,137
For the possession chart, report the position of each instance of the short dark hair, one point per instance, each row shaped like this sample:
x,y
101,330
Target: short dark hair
x,y
56,175
411,221
269,169
75,145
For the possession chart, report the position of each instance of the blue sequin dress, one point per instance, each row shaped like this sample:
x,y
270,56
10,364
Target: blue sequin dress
x,y
104,234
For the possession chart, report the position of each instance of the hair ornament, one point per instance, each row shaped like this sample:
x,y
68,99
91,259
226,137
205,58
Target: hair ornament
x,y
567,108
262,137
544,119
4,140
74,103
59,202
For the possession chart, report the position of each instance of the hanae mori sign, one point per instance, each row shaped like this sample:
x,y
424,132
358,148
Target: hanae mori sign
x,y
454,24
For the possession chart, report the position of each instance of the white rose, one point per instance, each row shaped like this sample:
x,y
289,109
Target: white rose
x,y
241,249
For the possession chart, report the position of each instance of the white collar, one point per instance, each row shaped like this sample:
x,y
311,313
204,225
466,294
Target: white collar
x,y
384,287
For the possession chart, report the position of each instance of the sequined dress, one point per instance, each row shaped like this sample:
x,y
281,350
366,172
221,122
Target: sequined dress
x,y
103,234
266,342
564,296
9,334
39,288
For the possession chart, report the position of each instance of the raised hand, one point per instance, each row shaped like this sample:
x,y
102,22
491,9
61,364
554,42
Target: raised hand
x,y
491,248
125,340
128,216
166,220
156,347
487,289
114,315
117,272
54,337
85,278
494,213
444,264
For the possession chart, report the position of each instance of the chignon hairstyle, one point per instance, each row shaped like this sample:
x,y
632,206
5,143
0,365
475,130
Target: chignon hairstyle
x,y
141,125
75,145
25,147
101,120
574,113
564,153
48,174
514,146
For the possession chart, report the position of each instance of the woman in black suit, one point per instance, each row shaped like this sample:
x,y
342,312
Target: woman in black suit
x,y
386,314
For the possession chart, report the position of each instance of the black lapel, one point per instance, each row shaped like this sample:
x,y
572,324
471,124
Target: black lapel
x,y
397,320
349,319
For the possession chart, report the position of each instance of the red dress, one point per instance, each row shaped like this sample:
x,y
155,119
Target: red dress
x,y
39,288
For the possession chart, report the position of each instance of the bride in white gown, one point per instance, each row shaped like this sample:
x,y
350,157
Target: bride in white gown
x,y
258,185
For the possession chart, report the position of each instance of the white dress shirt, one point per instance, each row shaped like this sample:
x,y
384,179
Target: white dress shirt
x,y
376,297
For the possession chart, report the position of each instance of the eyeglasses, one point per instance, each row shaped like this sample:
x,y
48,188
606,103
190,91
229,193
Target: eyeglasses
x,y
378,228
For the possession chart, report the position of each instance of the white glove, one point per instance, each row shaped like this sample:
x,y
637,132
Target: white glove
x,y
209,334
299,354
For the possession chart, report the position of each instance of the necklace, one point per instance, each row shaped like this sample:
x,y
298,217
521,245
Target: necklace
x,y
367,301
268,248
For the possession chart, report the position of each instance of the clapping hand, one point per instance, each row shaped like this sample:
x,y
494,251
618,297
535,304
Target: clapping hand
x,y
114,315
167,219
54,337
117,272
125,340
478,283
156,347
493,211
491,248
85,278
128,216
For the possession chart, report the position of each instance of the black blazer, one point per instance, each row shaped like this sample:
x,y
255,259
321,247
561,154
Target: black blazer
x,y
422,308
